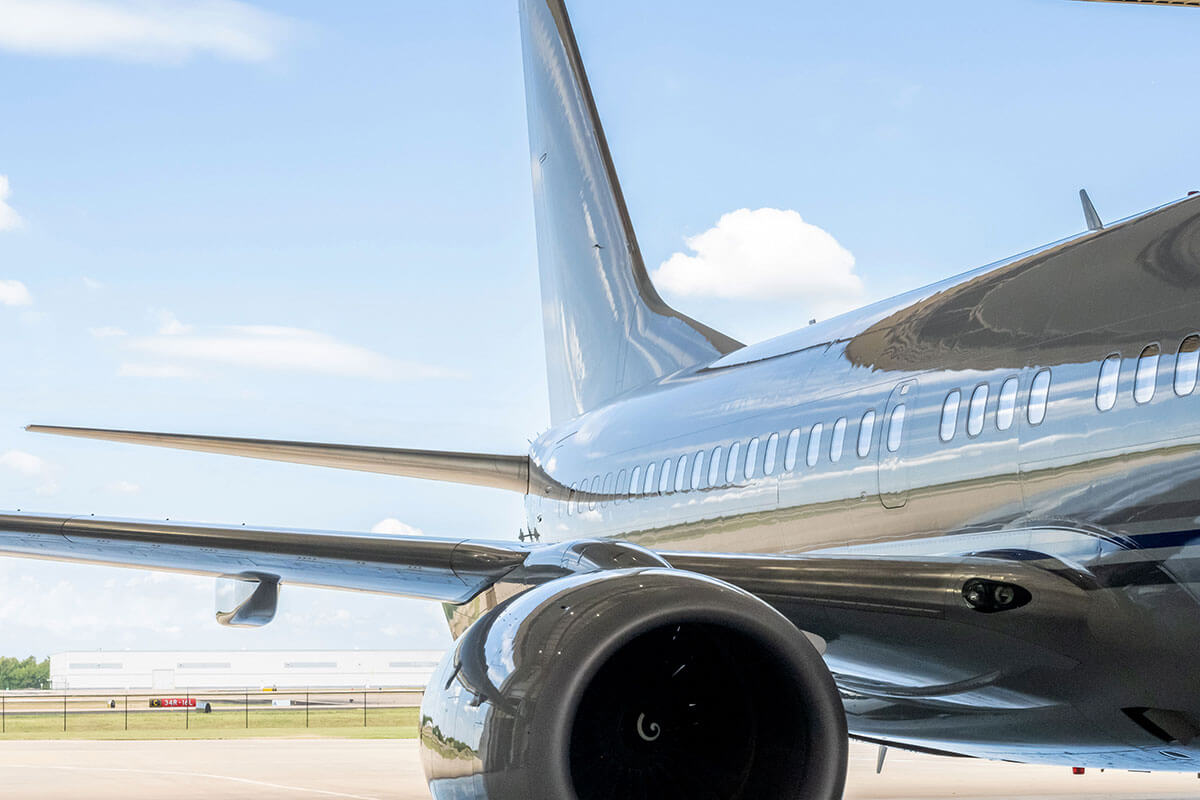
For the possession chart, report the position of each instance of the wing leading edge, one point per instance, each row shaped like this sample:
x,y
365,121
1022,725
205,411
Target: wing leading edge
x,y
446,570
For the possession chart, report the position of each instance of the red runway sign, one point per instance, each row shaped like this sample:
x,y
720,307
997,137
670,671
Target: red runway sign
x,y
173,702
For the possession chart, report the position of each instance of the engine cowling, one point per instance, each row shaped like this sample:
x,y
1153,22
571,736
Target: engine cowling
x,y
633,683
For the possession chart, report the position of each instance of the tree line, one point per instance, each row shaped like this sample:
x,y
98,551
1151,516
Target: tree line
x,y
29,673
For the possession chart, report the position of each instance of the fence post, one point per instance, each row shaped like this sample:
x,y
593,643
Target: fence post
x,y
126,712
187,699
306,708
247,710
3,713
64,713
364,708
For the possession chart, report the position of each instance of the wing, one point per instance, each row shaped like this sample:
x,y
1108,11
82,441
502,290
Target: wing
x,y
448,570
478,469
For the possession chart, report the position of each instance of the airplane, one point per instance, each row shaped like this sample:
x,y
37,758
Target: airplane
x,y
960,521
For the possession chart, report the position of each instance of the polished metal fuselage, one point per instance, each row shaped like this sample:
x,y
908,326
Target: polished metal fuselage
x,y
1110,498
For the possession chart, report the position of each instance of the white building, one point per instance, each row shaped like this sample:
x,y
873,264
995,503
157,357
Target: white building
x,y
240,669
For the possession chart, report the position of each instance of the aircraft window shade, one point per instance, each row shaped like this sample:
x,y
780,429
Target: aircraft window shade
x,y
1146,376
1106,384
1039,393
814,445
735,450
1185,365
789,453
635,481
751,458
865,430
714,467
680,473
977,410
950,415
769,457
838,440
620,489
664,479
895,428
1007,409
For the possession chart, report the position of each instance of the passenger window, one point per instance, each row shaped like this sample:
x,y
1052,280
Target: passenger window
x,y
608,490
572,498
680,473
895,428
735,450
619,488
977,410
664,477
595,491
649,486
1007,408
1146,376
1106,385
714,467
789,453
635,481
950,415
837,440
1185,365
865,429
697,470
751,458
1039,393
814,445
769,457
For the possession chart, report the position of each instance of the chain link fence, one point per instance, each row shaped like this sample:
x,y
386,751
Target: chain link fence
x,y
27,714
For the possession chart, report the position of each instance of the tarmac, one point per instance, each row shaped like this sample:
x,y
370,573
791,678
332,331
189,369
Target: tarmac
x,y
381,769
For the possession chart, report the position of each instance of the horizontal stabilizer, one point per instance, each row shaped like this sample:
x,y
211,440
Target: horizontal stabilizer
x,y
448,570
478,469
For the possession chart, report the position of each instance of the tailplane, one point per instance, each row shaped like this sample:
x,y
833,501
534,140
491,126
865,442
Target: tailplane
x,y
606,328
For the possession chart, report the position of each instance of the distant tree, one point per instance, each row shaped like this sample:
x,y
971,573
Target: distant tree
x,y
27,674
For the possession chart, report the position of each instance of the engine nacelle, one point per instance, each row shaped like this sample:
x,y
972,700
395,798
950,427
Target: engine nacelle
x,y
633,683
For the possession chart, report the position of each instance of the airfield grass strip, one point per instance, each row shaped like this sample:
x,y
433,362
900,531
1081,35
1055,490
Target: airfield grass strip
x,y
226,723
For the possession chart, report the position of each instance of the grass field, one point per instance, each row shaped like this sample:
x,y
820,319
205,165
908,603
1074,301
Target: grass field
x,y
225,723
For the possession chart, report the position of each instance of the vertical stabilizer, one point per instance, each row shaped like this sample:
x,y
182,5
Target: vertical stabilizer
x,y
606,328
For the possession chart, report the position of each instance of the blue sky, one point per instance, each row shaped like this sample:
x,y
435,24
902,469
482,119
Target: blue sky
x,y
313,221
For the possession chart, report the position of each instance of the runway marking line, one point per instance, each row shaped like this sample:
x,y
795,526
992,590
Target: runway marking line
x,y
177,773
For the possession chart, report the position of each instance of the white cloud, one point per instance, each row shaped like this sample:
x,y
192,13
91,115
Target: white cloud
x,y
764,254
168,325
25,463
124,487
135,370
395,527
9,219
271,347
170,31
14,293
31,466
106,332
92,283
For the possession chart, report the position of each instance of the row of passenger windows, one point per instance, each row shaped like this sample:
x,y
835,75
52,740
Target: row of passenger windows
x,y
1145,374
656,477
1006,406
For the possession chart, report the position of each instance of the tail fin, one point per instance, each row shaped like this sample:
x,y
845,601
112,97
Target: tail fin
x,y
607,330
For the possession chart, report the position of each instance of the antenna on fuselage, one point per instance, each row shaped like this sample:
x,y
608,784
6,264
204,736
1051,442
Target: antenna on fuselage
x,y
1089,212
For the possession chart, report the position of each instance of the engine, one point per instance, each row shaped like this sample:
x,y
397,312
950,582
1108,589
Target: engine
x,y
633,683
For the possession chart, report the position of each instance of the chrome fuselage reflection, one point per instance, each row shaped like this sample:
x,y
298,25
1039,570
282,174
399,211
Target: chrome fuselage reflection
x,y
967,418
